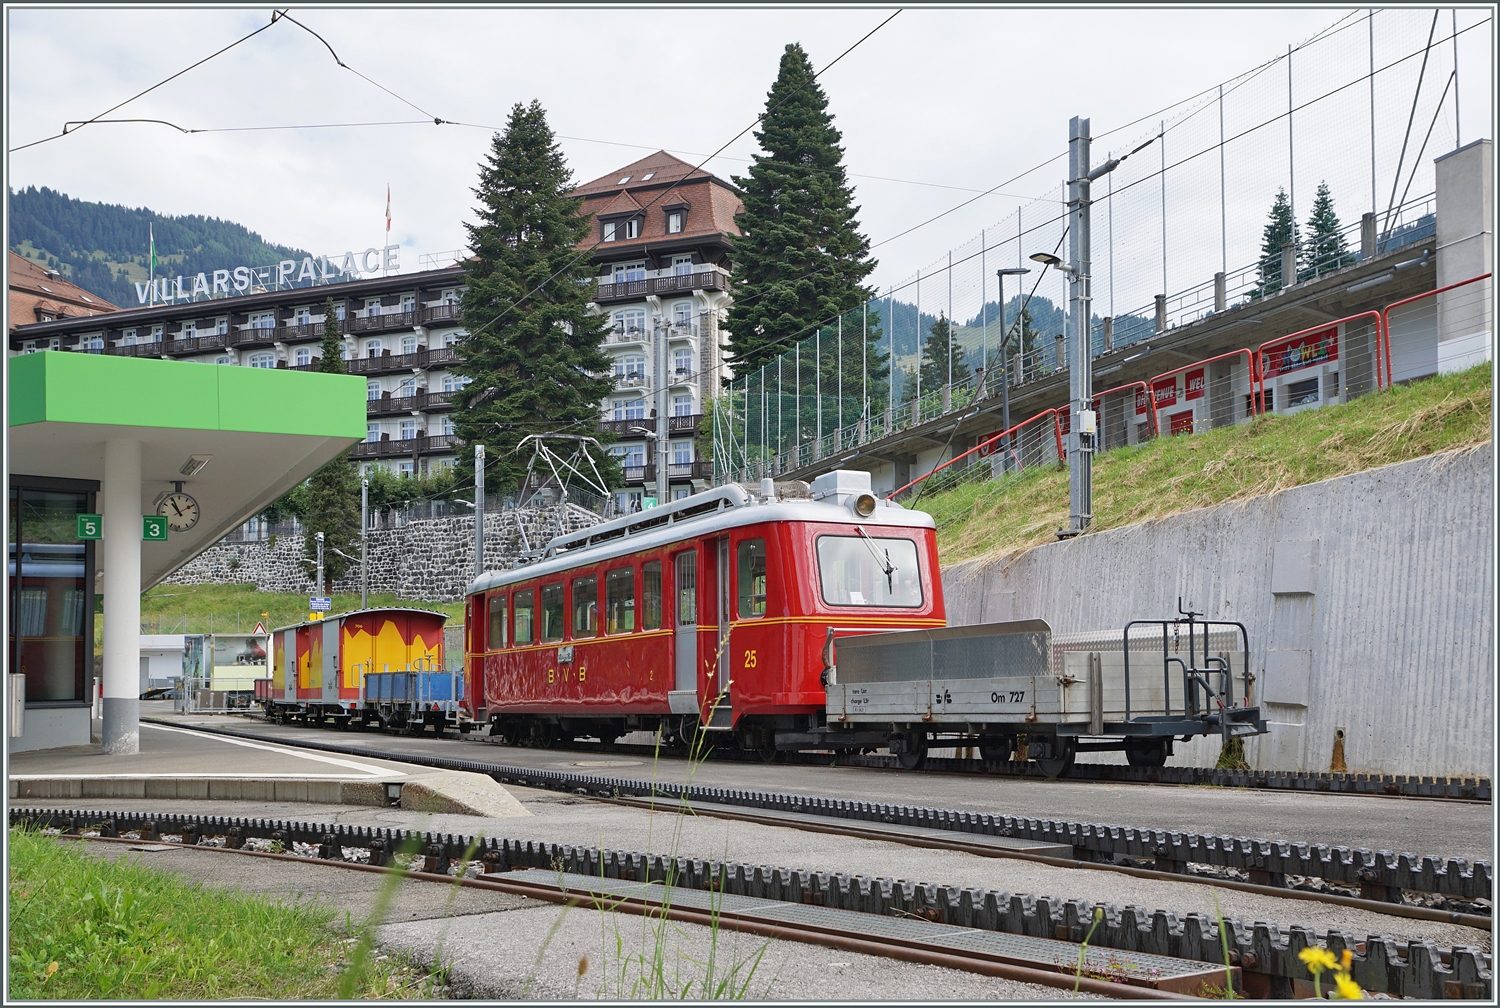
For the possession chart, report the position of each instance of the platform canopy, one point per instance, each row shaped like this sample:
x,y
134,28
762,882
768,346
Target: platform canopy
x,y
262,431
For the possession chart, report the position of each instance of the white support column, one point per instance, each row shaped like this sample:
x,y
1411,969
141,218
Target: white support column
x,y
122,597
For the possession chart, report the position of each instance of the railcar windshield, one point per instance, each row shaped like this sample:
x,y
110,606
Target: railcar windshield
x,y
864,570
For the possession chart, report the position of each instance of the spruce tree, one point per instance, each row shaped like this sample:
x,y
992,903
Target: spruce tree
x,y
1325,249
530,335
1280,229
936,352
330,499
801,260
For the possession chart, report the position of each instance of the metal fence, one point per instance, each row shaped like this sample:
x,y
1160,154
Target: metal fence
x,y
1361,108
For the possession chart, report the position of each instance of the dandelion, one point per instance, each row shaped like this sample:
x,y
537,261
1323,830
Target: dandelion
x,y
1347,989
1317,959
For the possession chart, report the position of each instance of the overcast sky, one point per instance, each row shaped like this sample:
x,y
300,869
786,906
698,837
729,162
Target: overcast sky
x,y
958,100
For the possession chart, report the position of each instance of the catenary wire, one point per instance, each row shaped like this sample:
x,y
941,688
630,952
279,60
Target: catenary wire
x,y
275,16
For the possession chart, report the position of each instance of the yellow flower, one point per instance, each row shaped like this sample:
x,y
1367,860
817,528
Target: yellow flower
x,y
1317,959
1348,958
1347,988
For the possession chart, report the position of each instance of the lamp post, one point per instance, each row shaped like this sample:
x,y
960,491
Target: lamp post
x,y
478,510
319,537
1000,275
364,544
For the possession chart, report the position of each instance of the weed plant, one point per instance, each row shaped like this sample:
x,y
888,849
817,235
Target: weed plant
x,y
86,928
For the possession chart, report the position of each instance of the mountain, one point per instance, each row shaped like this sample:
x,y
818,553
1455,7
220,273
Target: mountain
x,y
105,248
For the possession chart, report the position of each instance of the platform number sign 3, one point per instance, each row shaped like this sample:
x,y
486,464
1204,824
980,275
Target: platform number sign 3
x,y
153,528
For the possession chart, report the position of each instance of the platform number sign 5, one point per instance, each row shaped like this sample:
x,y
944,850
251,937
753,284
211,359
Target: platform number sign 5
x,y
89,526
750,659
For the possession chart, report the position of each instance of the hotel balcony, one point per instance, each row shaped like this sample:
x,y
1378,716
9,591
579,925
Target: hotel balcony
x,y
686,283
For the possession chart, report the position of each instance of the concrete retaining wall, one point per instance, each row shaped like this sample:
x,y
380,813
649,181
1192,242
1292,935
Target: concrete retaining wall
x,y
1368,600
429,558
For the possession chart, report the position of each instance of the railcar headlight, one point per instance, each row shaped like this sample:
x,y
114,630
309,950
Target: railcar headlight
x,y
864,505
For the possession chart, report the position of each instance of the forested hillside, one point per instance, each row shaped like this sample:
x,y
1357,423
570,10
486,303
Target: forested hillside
x,y
104,248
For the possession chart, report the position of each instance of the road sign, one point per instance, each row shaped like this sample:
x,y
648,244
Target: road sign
x,y
154,528
260,628
89,526
317,604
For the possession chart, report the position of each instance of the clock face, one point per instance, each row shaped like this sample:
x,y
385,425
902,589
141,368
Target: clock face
x,y
180,510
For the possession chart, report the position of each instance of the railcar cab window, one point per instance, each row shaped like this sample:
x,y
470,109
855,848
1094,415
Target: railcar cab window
x,y
497,623
552,612
752,578
651,595
525,606
619,600
862,570
585,606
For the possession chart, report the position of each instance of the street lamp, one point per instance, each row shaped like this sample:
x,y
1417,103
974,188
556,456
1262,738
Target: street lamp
x,y
1000,275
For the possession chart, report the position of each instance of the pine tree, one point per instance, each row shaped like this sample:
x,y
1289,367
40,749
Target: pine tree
x,y
801,259
1022,335
330,501
535,359
936,354
1325,249
1280,229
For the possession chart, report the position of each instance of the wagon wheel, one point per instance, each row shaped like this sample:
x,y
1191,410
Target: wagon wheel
x,y
992,754
912,761
1147,754
770,754
1061,762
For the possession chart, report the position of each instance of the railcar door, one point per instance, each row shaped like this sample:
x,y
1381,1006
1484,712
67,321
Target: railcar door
x,y
684,698
722,716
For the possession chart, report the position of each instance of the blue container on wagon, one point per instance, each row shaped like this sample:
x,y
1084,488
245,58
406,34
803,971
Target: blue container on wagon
x,y
419,688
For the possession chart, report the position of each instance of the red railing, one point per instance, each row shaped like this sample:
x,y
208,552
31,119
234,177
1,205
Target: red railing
x,y
1385,314
1260,368
1121,388
986,443
1257,401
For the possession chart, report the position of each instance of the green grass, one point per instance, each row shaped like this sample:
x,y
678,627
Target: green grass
x,y
1174,474
235,608
83,927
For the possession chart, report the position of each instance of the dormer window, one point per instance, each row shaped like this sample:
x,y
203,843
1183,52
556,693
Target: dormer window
x,y
609,231
633,228
674,222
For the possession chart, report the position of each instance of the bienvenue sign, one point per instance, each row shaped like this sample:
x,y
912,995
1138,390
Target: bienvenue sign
x,y
311,271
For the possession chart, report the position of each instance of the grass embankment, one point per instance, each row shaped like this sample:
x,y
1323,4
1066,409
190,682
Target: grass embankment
x,y
85,928
1174,474
236,608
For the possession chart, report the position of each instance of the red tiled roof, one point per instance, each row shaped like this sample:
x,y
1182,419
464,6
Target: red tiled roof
x,y
33,287
661,166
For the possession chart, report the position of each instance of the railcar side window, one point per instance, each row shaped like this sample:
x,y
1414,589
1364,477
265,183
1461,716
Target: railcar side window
x,y
651,595
687,589
752,578
869,571
552,612
525,605
619,600
497,623
586,606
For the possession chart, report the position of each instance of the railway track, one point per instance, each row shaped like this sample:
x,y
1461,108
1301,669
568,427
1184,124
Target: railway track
x,y
1379,877
1032,938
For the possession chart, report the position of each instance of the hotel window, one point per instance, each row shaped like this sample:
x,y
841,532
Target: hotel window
x,y
674,222
29,346
450,296
682,265
408,303
682,362
630,409
682,313
609,231
448,429
453,383
302,317
408,344
129,339
189,330
630,272
372,348
263,360
221,325
682,405
156,332
631,321
304,356
372,390
263,320
372,432
682,452
372,308
55,344
407,388
91,343
630,368
408,429
338,311
223,360
405,469
633,228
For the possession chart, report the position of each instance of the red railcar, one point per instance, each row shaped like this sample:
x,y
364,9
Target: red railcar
x,y
712,611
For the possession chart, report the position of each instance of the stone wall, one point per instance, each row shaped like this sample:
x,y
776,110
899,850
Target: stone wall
x,y
430,558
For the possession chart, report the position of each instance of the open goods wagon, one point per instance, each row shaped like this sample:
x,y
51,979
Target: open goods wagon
x,y
372,667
